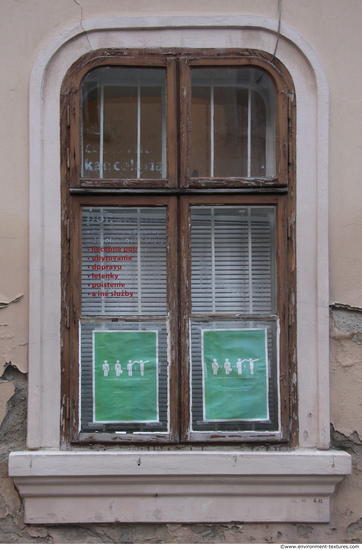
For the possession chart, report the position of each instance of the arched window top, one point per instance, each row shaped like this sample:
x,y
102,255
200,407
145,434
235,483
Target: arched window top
x,y
123,123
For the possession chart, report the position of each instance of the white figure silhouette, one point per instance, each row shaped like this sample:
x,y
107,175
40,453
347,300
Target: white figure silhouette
x,y
251,364
105,368
142,367
227,366
118,368
215,367
239,366
129,367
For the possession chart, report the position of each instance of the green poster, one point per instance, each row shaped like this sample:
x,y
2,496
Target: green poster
x,y
125,376
235,374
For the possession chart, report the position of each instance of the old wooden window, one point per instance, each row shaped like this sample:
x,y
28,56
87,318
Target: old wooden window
x,y
178,266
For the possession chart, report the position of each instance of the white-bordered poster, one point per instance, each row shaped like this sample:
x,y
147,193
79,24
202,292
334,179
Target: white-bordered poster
x,y
125,376
235,374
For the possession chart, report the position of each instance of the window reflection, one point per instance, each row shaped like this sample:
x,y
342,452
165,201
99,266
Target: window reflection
x,y
233,123
124,129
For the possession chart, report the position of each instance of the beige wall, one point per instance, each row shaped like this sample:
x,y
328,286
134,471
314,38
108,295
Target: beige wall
x,y
332,27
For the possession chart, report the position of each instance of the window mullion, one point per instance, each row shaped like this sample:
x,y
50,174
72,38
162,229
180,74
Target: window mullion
x,y
213,274
164,137
101,242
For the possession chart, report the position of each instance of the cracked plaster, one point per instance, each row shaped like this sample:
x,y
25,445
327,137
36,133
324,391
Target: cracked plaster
x,y
346,371
13,333
6,392
346,524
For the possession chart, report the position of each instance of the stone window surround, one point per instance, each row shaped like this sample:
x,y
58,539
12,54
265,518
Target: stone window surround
x,y
63,486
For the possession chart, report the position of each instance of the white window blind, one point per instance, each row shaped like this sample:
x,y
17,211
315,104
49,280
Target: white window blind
x,y
123,287
233,260
233,275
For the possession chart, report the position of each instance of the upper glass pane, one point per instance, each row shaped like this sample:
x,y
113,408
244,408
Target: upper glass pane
x,y
124,123
232,123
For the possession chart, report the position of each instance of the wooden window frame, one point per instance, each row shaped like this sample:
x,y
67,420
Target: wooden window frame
x,y
281,81
171,318
73,91
279,202
278,190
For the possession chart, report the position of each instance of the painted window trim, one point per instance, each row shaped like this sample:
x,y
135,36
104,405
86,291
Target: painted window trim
x,y
326,467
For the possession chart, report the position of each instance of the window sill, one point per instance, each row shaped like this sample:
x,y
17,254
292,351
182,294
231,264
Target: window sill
x,y
182,486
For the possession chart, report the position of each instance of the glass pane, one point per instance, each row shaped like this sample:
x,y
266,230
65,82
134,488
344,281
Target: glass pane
x,y
124,261
233,264
230,132
124,376
201,132
234,375
151,132
233,123
91,138
124,128
120,132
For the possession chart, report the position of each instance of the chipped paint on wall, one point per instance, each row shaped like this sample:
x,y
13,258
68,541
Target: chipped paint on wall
x,y
346,369
6,392
346,517
13,332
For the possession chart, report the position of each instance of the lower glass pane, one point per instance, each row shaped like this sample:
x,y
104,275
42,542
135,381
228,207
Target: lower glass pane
x,y
233,260
233,123
124,376
235,375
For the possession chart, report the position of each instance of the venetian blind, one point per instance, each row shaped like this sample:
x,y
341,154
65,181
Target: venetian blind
x,y
123,277
233,274
233,260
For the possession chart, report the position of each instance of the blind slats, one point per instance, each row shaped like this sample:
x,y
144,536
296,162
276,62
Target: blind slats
x,y
123,273
233,259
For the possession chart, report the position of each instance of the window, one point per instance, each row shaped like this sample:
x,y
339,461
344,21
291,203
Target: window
x,y
195,483
178,264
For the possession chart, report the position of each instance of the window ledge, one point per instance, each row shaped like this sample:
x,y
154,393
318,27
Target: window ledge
x,y
182,486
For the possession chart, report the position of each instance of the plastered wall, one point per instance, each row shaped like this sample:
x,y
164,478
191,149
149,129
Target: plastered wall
x,y
332,28
346,517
